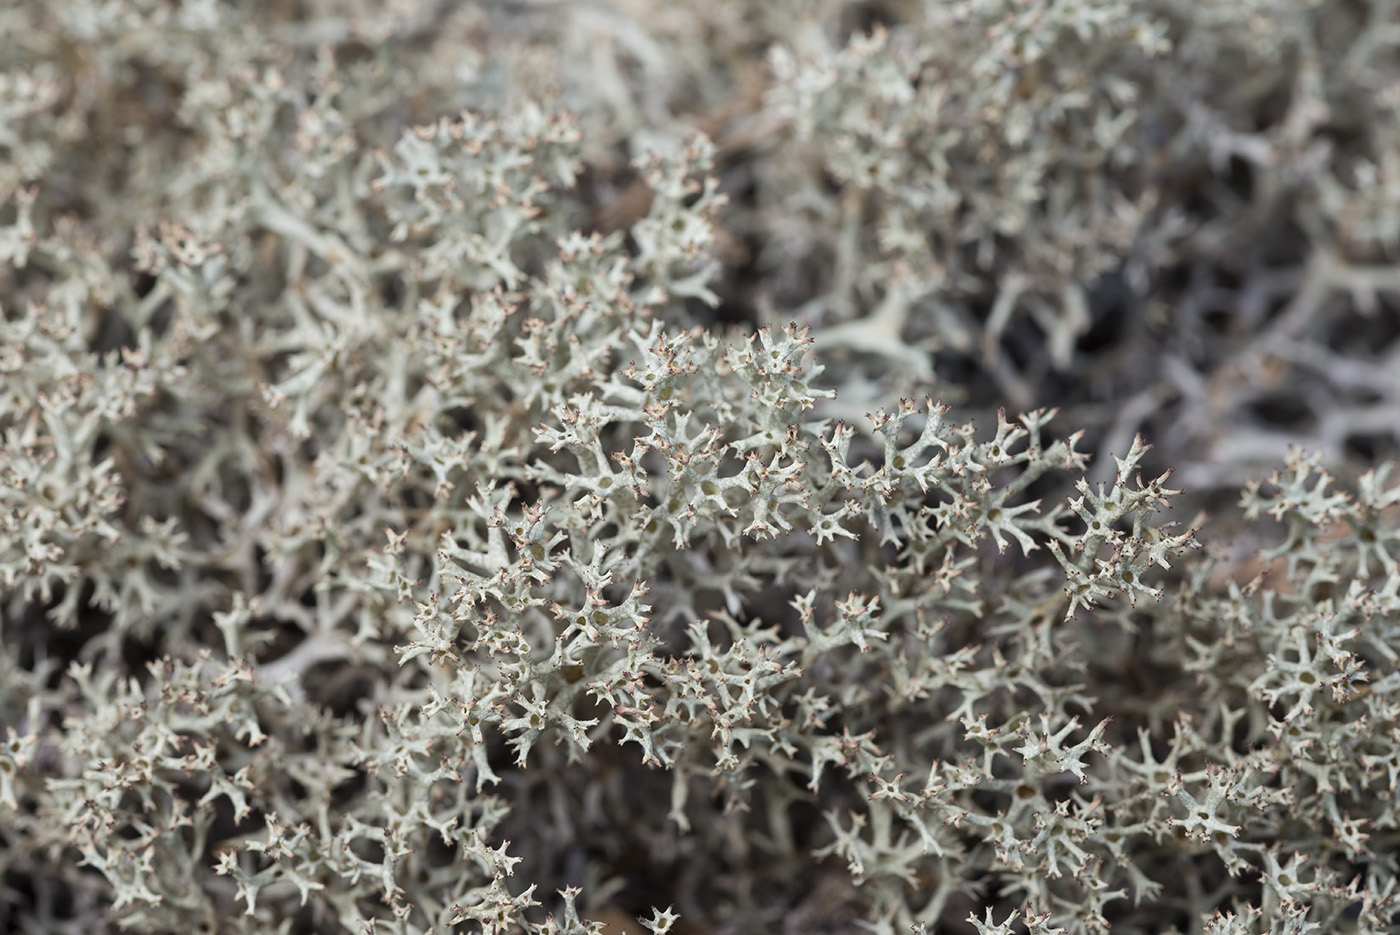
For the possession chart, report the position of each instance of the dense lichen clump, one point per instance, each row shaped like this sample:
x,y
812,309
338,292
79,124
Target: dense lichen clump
x,y
530,467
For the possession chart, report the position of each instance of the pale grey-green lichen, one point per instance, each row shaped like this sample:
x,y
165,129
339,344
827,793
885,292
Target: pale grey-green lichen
x,y
476,467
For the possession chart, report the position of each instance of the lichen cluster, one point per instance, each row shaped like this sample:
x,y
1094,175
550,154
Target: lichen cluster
x,y
512,467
